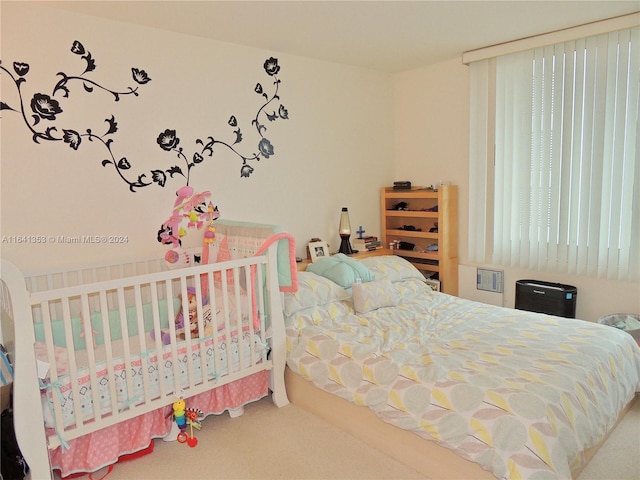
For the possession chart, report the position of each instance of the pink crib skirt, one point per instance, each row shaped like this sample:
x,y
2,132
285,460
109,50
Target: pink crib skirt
x,y
99,449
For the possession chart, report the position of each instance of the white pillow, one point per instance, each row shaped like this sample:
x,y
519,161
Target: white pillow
x,y
392,267
313,290
373,295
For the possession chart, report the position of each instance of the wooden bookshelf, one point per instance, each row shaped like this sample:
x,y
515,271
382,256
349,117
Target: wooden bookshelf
x,y
420,203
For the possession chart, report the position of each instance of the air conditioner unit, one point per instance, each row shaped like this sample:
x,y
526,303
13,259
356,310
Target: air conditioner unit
x,y
545,297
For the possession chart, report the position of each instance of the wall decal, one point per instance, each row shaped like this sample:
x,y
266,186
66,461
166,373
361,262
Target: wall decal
x,y
169,141
46,108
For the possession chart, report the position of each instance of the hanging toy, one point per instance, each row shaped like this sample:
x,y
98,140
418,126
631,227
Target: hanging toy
x,y
177,258
190,206
210,233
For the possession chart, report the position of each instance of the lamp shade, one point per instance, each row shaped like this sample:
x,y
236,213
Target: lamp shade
x,y
345,226
344,229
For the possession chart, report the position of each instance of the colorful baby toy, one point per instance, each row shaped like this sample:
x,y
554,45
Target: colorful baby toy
x,y
184,417
190,206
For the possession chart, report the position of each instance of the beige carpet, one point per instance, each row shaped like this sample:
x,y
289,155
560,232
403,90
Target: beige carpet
x,y
288,443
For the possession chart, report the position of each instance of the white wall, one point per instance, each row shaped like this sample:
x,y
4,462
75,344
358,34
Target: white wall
x,y
335,150
431,143
350,132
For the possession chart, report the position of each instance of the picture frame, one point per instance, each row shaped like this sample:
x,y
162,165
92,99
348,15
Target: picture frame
x,y
318,250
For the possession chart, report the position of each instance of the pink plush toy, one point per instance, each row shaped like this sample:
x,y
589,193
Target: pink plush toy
x,y
180,325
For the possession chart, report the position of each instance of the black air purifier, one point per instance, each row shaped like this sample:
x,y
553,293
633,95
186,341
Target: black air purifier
x,y
545,297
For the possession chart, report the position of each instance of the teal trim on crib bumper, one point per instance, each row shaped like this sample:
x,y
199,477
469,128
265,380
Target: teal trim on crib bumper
x,y
114,325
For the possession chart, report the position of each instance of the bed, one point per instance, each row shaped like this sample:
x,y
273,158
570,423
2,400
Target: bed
x,y
99,358
454,388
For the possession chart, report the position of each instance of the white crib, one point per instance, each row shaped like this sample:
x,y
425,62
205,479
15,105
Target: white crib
x,y
88,342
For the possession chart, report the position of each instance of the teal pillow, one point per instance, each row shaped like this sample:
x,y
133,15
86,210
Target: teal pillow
x,y
341,269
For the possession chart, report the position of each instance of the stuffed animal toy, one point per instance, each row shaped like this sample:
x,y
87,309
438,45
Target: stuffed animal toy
x,y
193,317
180,325
192,309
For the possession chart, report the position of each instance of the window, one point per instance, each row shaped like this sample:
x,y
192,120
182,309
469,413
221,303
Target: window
x,y
554,169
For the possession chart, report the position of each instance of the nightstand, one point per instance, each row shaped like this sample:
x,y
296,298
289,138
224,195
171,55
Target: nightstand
x,y
302,266
372,253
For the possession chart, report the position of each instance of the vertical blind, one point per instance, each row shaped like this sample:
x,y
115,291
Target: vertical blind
x,y
554,158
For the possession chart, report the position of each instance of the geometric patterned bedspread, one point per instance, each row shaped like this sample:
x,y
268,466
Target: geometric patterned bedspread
x,y
522,394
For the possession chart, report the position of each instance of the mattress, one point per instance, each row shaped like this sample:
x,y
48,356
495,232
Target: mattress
x,y
522,394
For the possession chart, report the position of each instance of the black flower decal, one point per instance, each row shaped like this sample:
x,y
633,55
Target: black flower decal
x,y
159,177
20,68
45,106
113,125
168,140
72,138
271,66
77,48
246,170
124,164
140,76
211,144
265,147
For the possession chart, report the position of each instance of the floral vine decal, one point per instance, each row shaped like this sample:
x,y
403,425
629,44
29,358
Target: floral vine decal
x,y
46,108
169,141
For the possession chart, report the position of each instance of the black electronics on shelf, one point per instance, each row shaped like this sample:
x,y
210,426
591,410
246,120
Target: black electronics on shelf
x,y
546,297
403,185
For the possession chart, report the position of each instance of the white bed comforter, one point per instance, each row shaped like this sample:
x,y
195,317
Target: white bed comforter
x,y
519,393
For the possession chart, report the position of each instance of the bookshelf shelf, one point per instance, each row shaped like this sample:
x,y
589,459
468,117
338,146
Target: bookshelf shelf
x,y
419,216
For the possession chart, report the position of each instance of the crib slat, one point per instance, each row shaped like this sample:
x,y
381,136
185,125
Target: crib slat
x,y
142,347
73,367
155,312
213,302
200,348
128,362
238,319
108,348
227,320
173,342
187,332
53,368
89,346
250,286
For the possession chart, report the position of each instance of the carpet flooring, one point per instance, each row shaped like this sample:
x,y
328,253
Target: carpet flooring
x,y
288,443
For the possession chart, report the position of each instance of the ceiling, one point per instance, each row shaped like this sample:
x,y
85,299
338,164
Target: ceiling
x,y
391,36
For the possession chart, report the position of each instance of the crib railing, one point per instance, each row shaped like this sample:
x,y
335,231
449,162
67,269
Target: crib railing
x,y
113,350
53,279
